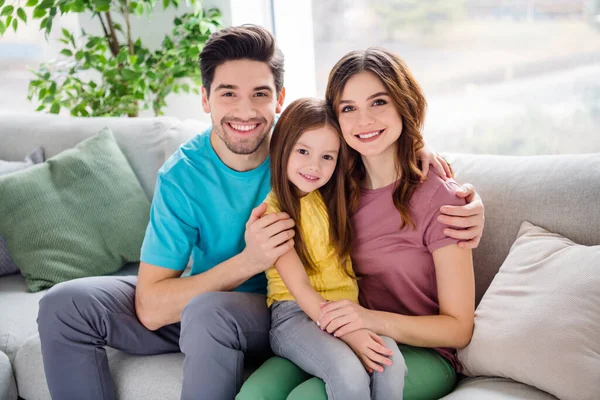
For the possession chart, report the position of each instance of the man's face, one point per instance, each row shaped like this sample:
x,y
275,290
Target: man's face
x,y
242,104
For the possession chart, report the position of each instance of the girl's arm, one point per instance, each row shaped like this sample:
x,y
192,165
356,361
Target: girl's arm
x,y
294,277
453,327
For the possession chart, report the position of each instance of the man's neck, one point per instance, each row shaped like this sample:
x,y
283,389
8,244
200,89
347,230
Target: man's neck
x,y
240,162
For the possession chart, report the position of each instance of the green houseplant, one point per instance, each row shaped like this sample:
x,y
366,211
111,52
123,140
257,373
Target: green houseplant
x,y
115,73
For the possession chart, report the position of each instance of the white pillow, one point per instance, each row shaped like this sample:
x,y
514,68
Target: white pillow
x,y
539,321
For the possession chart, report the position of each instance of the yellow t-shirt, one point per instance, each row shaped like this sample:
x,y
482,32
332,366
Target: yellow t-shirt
x,y
329,278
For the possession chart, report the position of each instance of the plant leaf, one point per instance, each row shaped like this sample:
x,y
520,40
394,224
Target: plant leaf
x,y
8,10
21,13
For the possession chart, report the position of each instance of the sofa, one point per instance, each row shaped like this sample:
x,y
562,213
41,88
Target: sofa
x,y
514,189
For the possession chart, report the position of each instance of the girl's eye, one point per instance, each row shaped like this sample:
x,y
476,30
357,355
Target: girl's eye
x,y
328,157
302,151
379,102
347,109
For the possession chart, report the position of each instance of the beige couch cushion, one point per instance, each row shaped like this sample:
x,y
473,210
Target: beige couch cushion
x,y
484,388
559,193
539,321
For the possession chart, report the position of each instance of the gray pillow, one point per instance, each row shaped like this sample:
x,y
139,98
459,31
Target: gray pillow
x,y
7,266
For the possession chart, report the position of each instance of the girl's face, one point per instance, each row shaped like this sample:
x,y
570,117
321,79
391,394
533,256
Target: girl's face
x,y
313,159
369,121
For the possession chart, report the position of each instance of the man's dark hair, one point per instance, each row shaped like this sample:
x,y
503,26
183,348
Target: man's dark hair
x,y
250,42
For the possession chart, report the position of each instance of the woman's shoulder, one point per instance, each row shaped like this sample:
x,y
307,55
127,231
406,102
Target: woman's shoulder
x,y
437,191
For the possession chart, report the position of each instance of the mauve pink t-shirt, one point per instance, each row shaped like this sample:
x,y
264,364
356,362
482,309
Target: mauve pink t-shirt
x,y
395,266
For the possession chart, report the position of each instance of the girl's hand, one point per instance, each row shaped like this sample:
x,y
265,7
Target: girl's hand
x,y
428,156
369,348
342,317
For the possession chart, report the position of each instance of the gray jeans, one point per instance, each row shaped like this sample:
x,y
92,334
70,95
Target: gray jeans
x,y
77,319
298,338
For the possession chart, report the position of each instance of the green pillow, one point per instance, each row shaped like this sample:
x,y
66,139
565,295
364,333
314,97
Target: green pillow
x,y
80,213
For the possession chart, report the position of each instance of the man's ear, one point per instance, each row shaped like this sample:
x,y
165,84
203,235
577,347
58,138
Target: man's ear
x,y
205,105
280,101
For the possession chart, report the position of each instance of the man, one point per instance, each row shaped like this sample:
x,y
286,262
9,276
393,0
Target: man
x,y
203,197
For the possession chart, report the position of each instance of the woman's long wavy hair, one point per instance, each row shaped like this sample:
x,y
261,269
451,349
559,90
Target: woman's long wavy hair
x,y
408,98
300,116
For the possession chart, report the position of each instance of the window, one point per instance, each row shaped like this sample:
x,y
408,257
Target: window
x,y
517,77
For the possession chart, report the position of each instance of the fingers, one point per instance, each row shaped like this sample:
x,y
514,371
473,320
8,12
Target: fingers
x,y
378,345
331,316
337,323
280,239
425,167
281,249
378,358
437,165
463,211
269,220
334,305
348,328
471,244
464,234
466,190
256,213
446,166
370,364
280,226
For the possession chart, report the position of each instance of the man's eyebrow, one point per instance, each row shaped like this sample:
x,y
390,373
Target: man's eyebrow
x,y
225,86
264,87
368,98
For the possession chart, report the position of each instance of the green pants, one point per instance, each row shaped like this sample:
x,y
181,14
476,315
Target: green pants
x,y
430,376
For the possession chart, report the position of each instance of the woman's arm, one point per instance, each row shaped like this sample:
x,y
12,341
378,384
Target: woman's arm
x,y
294,277
453,327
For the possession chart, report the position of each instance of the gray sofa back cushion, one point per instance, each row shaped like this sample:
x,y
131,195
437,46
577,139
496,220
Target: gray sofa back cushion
x,y
558,193
146,142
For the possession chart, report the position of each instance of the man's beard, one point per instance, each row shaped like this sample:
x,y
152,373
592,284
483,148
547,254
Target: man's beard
x,y
243,147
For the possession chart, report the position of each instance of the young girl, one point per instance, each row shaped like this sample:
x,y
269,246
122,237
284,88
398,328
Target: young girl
x,y
307,158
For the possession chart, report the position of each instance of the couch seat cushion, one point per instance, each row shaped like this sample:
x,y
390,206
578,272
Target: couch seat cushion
x,y
484,388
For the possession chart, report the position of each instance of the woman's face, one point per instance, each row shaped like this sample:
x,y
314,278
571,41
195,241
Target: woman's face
x,y
369,121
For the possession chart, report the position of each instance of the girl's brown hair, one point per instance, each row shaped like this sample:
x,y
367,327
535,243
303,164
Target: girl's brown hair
x,y
300,116
407,97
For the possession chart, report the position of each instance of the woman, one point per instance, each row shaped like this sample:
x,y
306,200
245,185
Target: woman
x,y
416,284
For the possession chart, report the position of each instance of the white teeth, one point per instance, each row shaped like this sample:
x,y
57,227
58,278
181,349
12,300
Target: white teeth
x,y
243,128
368,135
309,177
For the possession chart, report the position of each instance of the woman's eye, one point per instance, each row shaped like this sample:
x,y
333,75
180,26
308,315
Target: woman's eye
x,y
347,109
379,102
302,151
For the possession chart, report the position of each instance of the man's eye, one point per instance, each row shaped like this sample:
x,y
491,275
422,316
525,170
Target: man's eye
x,y
379,102
228,94
303,151
261,94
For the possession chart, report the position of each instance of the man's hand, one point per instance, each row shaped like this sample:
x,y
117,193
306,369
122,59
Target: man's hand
x,y
471,217
344,316
428,156
267,237
369,348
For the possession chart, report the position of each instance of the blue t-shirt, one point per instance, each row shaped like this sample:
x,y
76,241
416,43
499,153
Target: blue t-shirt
x,y
201,207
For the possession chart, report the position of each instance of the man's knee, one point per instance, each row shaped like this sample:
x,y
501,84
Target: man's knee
x,y
63,299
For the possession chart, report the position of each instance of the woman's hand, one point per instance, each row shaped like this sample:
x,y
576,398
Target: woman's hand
x,y
342,317
369,348
428,156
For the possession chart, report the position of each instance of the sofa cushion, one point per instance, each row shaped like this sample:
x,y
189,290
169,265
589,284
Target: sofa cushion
x,y
146,142
81,213
8,387
558,192
19,310
136,377
7,266
496,389
539,321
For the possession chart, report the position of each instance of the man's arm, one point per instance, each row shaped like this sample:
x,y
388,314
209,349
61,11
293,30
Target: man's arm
x,y
161,294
